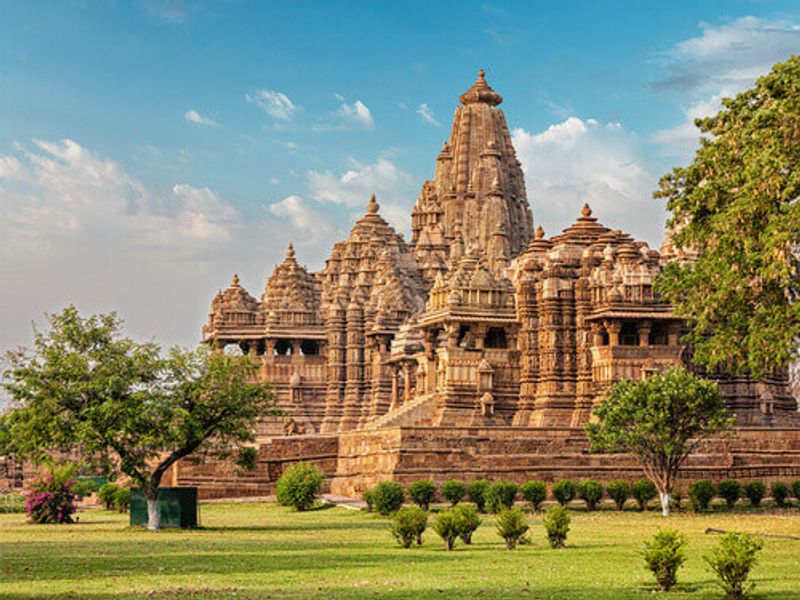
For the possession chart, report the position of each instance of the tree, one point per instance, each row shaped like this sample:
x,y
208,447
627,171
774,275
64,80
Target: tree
x,y
736,205
660,421
85,386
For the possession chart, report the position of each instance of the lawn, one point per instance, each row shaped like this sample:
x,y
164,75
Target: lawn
x,y
260,550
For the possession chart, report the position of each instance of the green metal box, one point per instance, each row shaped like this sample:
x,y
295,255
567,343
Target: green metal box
x,y
179,507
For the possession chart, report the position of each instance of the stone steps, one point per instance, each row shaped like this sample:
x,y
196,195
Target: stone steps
x,y
416,412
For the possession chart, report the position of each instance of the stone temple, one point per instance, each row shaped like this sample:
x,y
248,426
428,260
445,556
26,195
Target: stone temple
x,y
476,349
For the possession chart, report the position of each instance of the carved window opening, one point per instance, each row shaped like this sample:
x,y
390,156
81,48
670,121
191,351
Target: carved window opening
x,y
261,348
309,348
659,335
604,338
283,348
496,338
628,336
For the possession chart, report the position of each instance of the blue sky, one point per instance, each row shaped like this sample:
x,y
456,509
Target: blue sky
x,y
148,150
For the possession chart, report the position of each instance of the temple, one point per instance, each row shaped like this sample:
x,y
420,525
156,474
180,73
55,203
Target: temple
x,y
479,348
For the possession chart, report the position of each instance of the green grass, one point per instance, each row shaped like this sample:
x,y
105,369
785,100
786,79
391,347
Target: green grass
x,y
265,551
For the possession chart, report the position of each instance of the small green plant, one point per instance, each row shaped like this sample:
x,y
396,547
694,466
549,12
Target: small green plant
x,y
476,492
366,496
468,521
299,486
556,521
511,526
701,493
534,492
106,495
122,499
664,555
422,493
500,495
408,525
619,491
732,560
388,497
755,492
730,490
446,526
12,503
796,489
564,491
779,491
591,492
453,491
643,491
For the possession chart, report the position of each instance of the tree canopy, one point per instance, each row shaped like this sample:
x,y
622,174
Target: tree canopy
x,y
737,205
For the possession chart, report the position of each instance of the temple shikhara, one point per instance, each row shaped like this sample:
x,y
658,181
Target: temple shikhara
x,y
477,348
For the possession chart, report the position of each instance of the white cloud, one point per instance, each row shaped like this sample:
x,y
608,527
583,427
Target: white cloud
x,y
275,181
195,117
275,104
356,113
426,114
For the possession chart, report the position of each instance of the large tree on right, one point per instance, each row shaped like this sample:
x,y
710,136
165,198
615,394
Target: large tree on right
x,y
737,205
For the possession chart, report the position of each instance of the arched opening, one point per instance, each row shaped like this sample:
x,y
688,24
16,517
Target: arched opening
x,y
283,348
261,347
496,338
628,336
659,335
309,348
233,350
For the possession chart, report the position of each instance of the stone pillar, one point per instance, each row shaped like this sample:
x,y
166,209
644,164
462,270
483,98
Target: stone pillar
x,y
395,387
406,382
613,328
644,332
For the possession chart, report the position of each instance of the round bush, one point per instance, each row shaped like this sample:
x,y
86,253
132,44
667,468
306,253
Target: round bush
x,y
467,521
453,491
422,493
476,492
446,526
388,497
511,526
106,495
366,496
730,490
732,559
700,494
50,499
591,492
779,492
84,488
534,492
556,522
664,555
408,525
643,491
796,489
619,491
564,491
500,495
755,492
122,499
299,486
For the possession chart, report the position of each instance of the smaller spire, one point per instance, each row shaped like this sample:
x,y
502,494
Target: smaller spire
x,y
539,232
373,206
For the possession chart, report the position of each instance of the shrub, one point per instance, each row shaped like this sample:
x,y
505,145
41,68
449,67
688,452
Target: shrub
x,y
84,487
500,495
446,526
388,497
106,495
591,492
511,526
779,492
563,491
453,491
796,489
299,486
664,555
366,496
700,494
121,500
422,493
50,499
619,491
468,521
476,491
12,503
534,492
643,491
408,525
677,497
755,491
730,490
731,560
556,522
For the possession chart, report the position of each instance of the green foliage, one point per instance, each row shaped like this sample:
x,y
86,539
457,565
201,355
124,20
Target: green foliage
x,y
643,491
408,524
366,496
731,560
388,497
736,203
106,495
796,489
476,492
535,492
467,521
556,522
299,486
730,490
246,459
49,498
701,493
446,525
500,495
453,491
84,488
619,491
664,555
779,491
660,421
12,503
422,493
591,492
755,492
511,526
121,500
564,491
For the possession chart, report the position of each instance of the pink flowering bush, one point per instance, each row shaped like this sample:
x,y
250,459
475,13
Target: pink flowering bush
x,y
50,498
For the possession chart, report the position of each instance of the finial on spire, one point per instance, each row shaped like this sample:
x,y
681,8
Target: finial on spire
x,y
373,206
539,232
481,74
290,251
235,280
586,211
480,92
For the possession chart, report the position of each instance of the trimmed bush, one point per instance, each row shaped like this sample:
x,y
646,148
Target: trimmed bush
x,y
511,526
796,489
453,491
643,491
730,490
563,491
299,486
779,492
664,555
366,496
476,492
122,499
556,522
619,491
12,503
50,499
500,495
755,492
591,492
731,560
534,492
388,497
422,493
446,526
468,521
701,493
106,495
408,524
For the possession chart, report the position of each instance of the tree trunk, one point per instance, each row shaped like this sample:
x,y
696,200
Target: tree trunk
x,y
664,498
153,513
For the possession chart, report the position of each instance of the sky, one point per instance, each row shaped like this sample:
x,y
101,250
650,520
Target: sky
x,y
149,150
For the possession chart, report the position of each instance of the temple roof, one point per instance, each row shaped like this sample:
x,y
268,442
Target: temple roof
x,y
480,92
291,289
